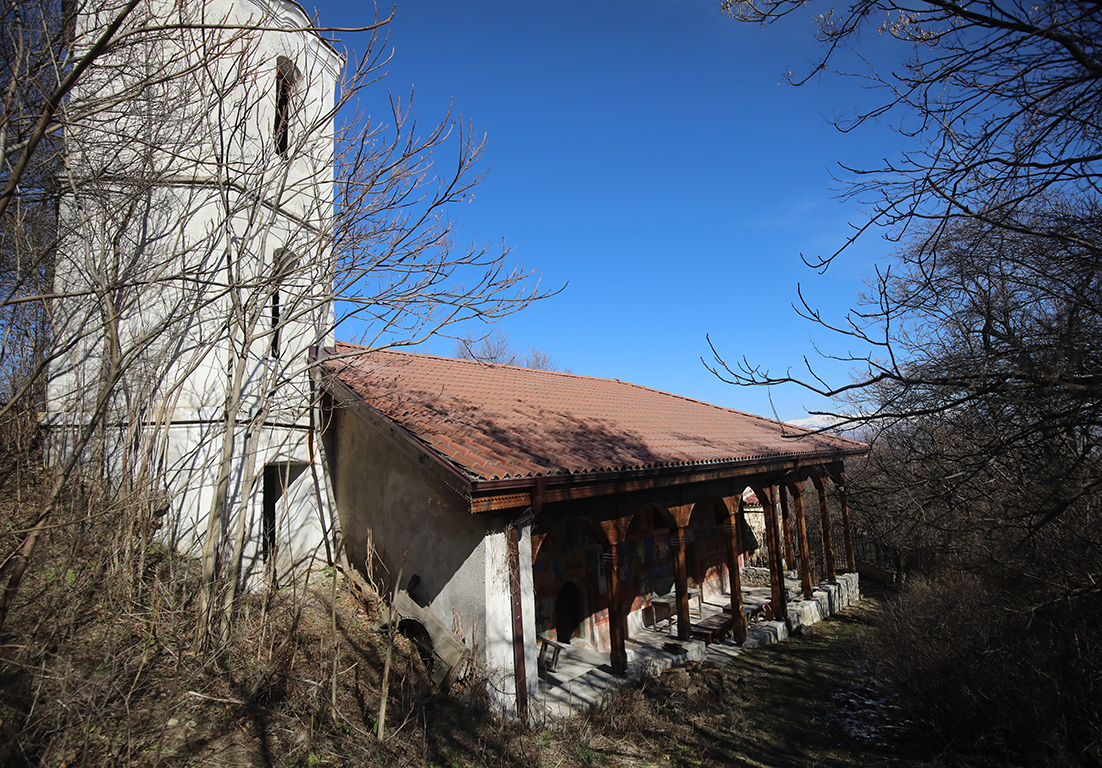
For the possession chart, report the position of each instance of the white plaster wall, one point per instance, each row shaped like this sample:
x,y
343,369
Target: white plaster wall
x,y
499,656
191,474
528,608
217,206
498,651
395,510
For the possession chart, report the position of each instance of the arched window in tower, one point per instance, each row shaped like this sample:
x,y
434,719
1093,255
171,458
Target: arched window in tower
x,y
286,79
274,353
283,264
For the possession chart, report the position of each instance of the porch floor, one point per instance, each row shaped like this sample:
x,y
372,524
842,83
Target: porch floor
x,y
583,676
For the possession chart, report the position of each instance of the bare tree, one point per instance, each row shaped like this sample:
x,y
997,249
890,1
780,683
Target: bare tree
x,y
980,385
991,302
222,208
998,97
496,347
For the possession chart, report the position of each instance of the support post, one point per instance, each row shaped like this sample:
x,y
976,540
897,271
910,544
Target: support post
x,y
734,576
520,675
681,580
779,597
786,526
797,489
617,624
847,531
828,535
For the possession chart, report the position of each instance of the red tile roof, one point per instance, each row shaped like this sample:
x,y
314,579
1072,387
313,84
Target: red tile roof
x,y
499,421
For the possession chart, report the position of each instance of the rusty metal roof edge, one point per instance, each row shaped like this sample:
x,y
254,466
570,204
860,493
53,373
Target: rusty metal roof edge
x,y
604,476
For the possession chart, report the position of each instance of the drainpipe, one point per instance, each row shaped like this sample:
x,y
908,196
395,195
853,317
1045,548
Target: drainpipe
x,y
516,602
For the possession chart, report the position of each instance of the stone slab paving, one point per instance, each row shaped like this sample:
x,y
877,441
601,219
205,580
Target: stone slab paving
x,y
584,677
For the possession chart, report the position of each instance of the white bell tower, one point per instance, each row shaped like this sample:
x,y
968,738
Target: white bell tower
x,y
195,271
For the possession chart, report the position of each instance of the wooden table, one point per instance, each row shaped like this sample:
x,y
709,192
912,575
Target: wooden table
x,y
713,628
663,608
552,648
668,604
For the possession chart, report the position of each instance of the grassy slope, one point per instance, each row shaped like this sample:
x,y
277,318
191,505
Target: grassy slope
x,y
100,667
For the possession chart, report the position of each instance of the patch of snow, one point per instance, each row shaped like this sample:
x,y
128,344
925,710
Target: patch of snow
x,y
867,710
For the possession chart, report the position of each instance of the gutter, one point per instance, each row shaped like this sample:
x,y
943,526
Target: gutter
x,y
487,495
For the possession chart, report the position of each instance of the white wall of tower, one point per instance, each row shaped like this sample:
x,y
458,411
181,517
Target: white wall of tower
x,y
180,221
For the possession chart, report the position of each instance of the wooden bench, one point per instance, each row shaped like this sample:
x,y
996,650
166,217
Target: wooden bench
x,y
552,648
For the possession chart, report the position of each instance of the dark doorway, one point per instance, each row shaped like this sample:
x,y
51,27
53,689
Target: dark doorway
x,y
277,478
569,612
422,640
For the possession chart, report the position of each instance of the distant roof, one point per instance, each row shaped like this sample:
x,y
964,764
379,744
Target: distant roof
x,y
496,422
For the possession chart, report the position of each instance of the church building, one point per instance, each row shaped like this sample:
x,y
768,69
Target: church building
x,y
537,505
195,361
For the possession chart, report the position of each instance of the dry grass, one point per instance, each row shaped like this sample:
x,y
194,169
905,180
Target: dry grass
x,y
100,667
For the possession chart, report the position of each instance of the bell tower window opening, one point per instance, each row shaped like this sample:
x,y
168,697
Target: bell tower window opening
x,y
286,77
284,263
275,324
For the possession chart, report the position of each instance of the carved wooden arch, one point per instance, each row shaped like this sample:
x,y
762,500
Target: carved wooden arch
x,y
795,484
544,527
778,603
720,512
727,521
659,511
818,479
838,475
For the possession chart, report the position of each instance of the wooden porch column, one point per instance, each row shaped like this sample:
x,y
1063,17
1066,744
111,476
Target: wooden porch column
x,y
779,597
681,581
617,621
734,577
828,536
851,557
797,489
789,557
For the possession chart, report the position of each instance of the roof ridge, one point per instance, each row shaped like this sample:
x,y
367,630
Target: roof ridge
x,y
479,363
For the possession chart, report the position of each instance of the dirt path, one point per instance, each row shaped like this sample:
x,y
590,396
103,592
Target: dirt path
x,y
811,702
805,702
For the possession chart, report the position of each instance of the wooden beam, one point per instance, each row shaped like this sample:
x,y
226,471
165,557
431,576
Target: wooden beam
x,y
778,603
734,577
617,621
797,488
839,477
786,526
681,580
828,536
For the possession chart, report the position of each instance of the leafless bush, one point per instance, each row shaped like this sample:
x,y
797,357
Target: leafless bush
x,y
987,677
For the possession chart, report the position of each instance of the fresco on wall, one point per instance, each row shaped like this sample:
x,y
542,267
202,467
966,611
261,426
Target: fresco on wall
x,y
706,554
569,553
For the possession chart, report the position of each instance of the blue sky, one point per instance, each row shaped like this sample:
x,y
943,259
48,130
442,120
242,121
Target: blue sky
x,y
649,156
